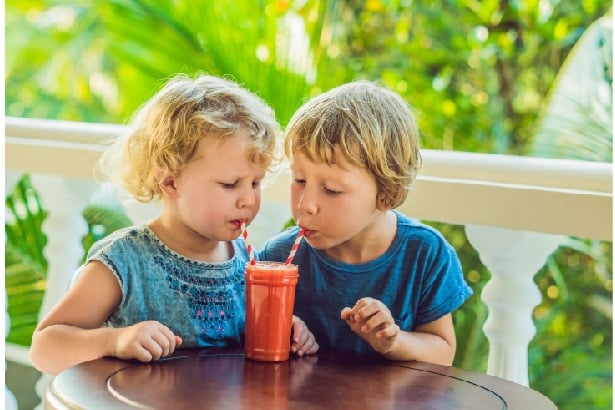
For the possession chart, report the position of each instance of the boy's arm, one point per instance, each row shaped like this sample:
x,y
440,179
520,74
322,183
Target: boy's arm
x,y
433,342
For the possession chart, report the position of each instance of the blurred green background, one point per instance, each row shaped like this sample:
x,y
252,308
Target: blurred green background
x,y
481,76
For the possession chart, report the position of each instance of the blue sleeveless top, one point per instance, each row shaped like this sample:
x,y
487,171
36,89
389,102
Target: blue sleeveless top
x,y
203,302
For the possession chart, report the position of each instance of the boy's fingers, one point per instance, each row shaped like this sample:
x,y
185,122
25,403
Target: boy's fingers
x,y
346,313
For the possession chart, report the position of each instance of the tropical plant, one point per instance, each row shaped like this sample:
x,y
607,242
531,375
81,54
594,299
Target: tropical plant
x,y
25,264
475,72
577,123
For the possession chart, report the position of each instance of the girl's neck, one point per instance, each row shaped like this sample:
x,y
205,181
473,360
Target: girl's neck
x,y
188,243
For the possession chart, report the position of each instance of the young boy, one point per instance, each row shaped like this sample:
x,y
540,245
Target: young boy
x,y
373,281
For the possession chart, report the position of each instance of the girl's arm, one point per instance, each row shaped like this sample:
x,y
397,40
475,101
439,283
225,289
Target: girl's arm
x,y
71,332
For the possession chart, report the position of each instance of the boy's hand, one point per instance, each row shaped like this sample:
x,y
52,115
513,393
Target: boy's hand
x,y
144,341
302,340
372,320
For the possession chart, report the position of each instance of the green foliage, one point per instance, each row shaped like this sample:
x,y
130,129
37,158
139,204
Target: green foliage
x,y
479,74
25,264
101,222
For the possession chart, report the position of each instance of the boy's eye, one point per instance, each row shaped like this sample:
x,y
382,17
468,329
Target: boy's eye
x,y
226,185
299,181
256,184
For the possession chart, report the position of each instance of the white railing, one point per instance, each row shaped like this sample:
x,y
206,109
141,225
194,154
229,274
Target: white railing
x,y
515,211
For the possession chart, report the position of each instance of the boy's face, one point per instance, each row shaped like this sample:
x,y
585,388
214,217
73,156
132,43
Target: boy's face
x,y
217,188
335,204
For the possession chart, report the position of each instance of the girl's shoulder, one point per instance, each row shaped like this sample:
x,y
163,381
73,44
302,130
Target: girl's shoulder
x,y
127,239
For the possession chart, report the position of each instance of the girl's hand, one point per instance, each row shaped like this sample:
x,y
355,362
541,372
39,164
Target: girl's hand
x,y
302,340
372,320
145,341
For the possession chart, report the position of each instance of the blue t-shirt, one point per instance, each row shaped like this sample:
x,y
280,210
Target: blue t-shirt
x,y
419,278
203,302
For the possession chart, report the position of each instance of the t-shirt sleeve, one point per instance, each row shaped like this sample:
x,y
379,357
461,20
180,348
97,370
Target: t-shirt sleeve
x,y
444,288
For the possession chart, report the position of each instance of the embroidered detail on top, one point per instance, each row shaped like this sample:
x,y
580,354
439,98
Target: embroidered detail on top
x,y
213,301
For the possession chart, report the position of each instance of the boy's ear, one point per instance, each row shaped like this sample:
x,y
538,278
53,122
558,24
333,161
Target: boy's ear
x,y
382,202
166,183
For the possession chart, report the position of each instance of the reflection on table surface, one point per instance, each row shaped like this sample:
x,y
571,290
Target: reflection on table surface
x,y
225,379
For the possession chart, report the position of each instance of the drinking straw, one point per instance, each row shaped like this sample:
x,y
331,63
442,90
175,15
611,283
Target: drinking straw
x,y
294,248
244,233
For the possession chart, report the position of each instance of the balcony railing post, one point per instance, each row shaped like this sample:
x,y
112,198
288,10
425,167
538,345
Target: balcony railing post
x,y
64,199
513,257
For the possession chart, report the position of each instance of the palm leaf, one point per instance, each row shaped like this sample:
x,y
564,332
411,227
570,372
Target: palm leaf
x,y
25,265
577,122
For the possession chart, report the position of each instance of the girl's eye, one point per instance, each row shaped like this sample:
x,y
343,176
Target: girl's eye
x,y
256,184
331,191
299,181
228,186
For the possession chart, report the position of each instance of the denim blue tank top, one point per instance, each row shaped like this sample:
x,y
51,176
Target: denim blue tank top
x,y
203,302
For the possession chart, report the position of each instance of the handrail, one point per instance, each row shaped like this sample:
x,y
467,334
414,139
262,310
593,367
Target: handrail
x,y
556,196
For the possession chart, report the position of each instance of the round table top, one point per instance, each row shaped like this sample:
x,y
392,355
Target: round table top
x,y
225,379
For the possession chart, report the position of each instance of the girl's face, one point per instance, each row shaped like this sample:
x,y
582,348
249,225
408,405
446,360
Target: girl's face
x,y
335,204
218,188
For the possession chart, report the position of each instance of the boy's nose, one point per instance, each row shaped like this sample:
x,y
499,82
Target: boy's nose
x,y
306,204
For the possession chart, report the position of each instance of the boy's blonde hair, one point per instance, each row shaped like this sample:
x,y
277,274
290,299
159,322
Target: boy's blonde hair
x,y
165,131
372,127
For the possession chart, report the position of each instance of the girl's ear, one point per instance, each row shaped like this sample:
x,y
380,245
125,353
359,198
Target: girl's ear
x,y
166,183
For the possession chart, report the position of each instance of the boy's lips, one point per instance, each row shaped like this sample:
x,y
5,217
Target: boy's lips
x,y
308,232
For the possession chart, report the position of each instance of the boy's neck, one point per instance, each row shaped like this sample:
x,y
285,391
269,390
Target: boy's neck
x,y
371,243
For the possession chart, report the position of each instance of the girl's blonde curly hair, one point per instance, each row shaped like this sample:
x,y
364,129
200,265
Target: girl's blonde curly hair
x,y
165,131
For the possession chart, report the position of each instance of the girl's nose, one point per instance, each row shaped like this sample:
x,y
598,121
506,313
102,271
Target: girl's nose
x,y
247,198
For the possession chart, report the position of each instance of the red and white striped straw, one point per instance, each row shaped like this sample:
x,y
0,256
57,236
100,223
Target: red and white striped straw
x,y
244,233
294,248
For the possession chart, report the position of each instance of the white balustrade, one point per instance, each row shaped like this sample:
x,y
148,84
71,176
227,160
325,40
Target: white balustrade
x,y
64,199
513,257
515,210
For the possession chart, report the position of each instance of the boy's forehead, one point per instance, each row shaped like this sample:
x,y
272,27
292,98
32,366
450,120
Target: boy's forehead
x,y
338,161
336,155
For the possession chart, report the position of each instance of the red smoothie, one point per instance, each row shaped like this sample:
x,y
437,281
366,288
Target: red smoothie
x,y
270,300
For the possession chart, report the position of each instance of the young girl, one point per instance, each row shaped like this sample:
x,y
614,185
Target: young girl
x,y
373,281
202,146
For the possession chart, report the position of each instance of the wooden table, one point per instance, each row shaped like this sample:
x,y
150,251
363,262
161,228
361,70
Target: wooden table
x,y
225,379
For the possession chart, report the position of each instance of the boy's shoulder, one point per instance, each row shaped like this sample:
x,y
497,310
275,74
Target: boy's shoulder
x,y
288,234
411,229
278,246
